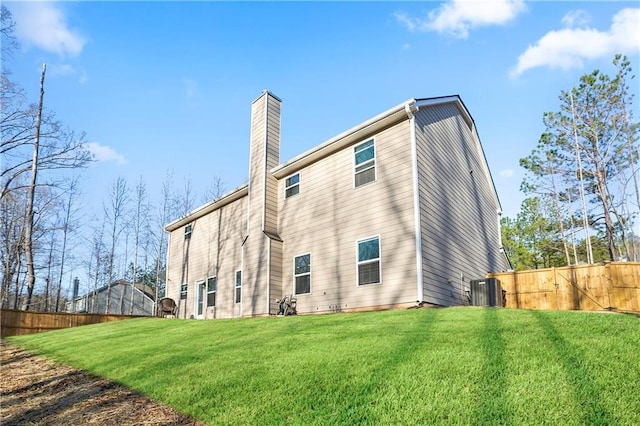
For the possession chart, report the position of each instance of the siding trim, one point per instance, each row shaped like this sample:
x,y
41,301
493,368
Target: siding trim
x,y
268,311
265,156
416,209
166,277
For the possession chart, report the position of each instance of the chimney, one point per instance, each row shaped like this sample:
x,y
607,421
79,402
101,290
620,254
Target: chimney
x,y
262,214
264,156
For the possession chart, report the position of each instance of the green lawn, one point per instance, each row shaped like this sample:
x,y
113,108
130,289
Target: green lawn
x,y
423,366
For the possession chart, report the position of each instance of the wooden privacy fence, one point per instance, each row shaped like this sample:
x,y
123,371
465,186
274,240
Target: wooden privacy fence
x,y
14,323
612,286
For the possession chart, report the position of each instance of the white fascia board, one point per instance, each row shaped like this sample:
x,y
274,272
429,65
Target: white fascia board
x,y
344,139
209,207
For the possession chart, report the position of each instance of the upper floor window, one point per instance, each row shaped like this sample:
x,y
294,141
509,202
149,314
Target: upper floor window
x,y
212,287
292,185
302,274
187,231
238,287
365,163
369,261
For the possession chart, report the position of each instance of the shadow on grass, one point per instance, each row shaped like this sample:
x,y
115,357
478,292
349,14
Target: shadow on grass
x,y
586,392
493,407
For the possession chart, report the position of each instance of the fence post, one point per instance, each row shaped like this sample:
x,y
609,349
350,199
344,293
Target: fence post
x,y
607,273
555,285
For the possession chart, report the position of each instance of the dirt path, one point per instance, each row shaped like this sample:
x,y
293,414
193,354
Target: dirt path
x,y
37,391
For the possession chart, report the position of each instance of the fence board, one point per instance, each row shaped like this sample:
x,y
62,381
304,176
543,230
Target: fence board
x,y
612,286
15,322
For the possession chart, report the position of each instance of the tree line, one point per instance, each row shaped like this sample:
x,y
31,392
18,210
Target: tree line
x,y
46,236
583,196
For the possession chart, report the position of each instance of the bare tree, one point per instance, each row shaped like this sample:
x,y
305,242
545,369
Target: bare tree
x,y
139,219
72,193
115,213
216,189
185,201
33,145
96,264
165,211
28,227
12,224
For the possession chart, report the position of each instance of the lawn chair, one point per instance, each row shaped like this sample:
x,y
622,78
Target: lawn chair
x,y
287,306
167,308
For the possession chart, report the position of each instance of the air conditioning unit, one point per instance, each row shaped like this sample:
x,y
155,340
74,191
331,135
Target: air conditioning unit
x,y
486,292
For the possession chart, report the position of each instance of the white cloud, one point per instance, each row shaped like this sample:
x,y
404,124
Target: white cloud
x,y
576,18
406,46
506,173
105,153
66,69
43,25
457,17
568,47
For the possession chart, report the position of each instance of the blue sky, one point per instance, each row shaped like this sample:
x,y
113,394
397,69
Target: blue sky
x,y
168,85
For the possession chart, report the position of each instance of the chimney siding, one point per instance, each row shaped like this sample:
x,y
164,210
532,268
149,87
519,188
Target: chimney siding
x,y
262,206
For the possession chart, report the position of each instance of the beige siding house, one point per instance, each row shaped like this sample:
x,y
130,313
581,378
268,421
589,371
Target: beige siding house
x,y
397,210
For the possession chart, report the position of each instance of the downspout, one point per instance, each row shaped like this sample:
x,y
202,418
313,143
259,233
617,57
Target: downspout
x,y
166,278
411,109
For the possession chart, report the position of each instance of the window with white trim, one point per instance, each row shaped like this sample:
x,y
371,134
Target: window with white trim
x,y
364,156
302,274
183,291
212,288
292,185
369,261
187,231
238,287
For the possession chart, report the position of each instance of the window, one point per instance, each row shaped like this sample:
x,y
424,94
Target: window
x,y
369,261
292,185
302,274
238,286
365,163
183,292
187,231
212,287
